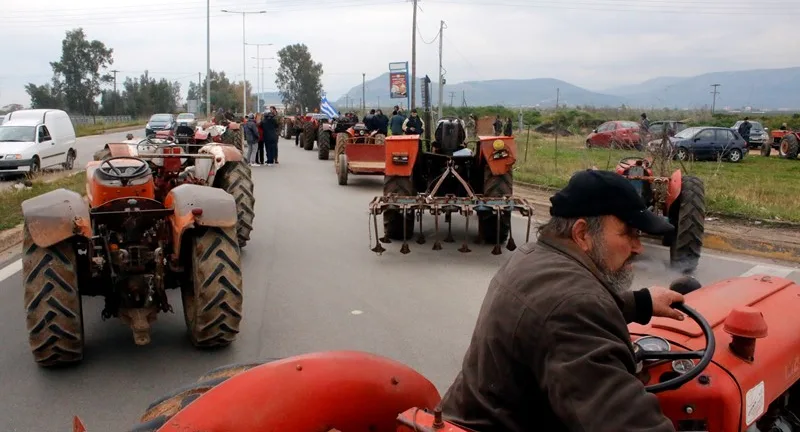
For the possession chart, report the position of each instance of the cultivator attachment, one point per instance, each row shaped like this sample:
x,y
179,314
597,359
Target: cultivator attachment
x,y
447,205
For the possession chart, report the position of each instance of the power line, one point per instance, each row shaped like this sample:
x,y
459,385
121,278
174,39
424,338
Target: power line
x,y
606,7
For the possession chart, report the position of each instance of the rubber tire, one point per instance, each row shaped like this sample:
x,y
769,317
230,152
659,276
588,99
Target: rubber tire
x,y
495,186
52,299
70,163
236,179
102,154
766,149
393,219
309,136
342,170
793,147
689,222
213,308
741,156
324,146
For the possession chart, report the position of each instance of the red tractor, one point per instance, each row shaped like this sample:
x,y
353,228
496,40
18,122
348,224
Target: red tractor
x,y
358,152
709,373
787,142
312,128
678,198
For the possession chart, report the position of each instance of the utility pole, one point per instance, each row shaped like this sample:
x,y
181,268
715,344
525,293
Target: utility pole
x,y
414,60
441,75
199,91
208,60
452,96
244,58
114,101
364,93
715,93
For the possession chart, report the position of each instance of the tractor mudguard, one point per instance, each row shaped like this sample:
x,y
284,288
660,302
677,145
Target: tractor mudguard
x,y
121,149
196,205
500,153
201,135
401,154
56,216
310,392
674,189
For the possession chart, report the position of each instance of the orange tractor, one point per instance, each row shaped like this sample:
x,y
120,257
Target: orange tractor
x,y
359,152
708,372
129,241
787,142
678,198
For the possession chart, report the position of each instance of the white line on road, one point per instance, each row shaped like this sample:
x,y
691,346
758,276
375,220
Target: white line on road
x,y
10,270
781,272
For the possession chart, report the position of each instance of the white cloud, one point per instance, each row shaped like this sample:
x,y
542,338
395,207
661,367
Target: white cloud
x,y
579,41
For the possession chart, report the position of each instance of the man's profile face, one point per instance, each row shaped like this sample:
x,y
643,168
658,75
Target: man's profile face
x,y
613,250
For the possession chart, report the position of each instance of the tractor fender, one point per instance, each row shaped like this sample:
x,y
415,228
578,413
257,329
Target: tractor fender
x,y
310,392
401,154
233,126
201,135
207,169
217,207
56,216
674,189
499,152
122,149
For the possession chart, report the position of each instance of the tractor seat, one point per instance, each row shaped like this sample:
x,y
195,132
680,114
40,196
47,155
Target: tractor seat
x,y
449,136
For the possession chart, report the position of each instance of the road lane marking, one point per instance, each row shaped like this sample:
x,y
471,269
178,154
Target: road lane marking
x,y
10,270
776,271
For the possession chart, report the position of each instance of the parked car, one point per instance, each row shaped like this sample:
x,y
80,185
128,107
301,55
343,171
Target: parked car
x,y
2,119
709,143
36,139
185,125
672,126
615,134
159,122
758,133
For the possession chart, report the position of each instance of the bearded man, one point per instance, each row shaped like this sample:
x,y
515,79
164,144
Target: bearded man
x,y
551,349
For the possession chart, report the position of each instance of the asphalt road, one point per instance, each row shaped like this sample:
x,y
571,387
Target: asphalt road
x,y
311,284
86,147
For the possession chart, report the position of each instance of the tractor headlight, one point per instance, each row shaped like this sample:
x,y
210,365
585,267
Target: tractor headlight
x,y
400,158
500,154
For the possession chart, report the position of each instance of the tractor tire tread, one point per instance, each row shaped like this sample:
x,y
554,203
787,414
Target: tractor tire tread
x,y
237,180
687,245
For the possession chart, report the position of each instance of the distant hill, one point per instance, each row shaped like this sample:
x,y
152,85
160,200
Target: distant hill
x,y
762,88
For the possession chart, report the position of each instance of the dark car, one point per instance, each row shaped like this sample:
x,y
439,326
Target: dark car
x,y
185,124
709,143
159,122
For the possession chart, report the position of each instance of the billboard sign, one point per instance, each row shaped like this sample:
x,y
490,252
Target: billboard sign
x,y
398,80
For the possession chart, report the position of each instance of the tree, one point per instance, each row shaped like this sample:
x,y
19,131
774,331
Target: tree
x,y
44,96
77,74
299,79
11,108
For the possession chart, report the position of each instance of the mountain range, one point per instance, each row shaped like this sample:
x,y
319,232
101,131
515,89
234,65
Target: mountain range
x,y
772,89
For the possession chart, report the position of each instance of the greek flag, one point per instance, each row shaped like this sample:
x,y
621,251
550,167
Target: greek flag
x,y
327,108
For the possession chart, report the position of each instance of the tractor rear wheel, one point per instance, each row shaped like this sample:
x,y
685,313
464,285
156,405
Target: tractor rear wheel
x,y
212,299
324,145
393,221
495,186
309,136
163,409
54,315
688,217
790,147
236,179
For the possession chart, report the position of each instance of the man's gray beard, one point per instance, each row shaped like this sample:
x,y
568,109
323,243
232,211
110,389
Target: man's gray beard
x,y
620,280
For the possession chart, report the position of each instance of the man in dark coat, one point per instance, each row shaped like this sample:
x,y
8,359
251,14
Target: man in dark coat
x,y
269,125
744,129
381,123
397,123
551,349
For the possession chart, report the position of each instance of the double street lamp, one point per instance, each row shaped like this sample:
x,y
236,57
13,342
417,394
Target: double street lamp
x,y
244,57
260,68
258,53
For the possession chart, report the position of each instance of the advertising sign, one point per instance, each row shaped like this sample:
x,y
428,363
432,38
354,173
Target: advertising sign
x,y
398,80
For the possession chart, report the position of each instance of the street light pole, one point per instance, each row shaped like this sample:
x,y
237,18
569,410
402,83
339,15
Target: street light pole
x,y
258,47
208,60
244,57
260,69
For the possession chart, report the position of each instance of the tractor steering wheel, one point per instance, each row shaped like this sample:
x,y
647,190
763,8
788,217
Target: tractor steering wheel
x,y
631,160
115,173
705,355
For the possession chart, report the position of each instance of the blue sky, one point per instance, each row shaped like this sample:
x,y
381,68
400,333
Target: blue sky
x,y
595,44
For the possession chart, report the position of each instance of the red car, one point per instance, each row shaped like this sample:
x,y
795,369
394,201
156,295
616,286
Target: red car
x,y
615,134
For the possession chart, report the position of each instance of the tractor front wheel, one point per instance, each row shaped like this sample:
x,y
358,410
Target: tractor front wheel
x,y
236,179
688,216
324,145
790,147
495,186
212,300
54,315
309,136
393,220
341,167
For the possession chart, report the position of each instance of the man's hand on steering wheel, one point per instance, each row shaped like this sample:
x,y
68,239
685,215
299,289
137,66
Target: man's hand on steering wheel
x,y
663,299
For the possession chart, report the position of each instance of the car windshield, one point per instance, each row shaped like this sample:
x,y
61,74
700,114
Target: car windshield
x,y
687,133
160,118
629,125
185,116
17,133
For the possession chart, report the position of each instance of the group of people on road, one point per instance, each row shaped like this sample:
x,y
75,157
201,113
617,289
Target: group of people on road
x,y
261,134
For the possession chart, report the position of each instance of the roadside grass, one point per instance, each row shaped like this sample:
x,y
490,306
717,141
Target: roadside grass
x,y
756,188
11,199
82,130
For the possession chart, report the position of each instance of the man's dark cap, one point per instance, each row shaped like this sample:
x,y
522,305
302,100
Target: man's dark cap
x,y
593,193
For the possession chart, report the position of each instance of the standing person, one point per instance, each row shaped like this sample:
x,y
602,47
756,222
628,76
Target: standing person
x,y
381,123
261,143
397,122
471,127
498,126
251,136
508,130
744,130
270,125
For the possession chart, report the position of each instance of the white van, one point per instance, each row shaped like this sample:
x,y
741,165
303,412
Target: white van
x,y
34,139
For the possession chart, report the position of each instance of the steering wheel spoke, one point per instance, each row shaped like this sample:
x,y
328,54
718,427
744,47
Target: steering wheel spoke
x,y
671,355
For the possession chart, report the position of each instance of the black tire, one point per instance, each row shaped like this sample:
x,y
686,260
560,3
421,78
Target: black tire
x,y
766,149
236,179
212,300
682,151
341,169
735,155
70,163
102,154
324,145
309,136
790,147
54,316
688,216
393,219
495,186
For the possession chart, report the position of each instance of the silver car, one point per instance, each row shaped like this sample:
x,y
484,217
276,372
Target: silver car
x,y
758,134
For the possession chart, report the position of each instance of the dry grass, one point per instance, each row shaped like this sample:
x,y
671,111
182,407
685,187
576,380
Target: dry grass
x,y
11,199
757,187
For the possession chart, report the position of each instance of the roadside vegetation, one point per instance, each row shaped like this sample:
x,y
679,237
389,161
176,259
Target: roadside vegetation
x,y
11,199
82,130
756,188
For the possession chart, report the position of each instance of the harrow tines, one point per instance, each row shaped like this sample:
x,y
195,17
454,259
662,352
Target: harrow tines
x,y
449,218
467,212
378,247
497,250
421,237
405,250
511,245
437,245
